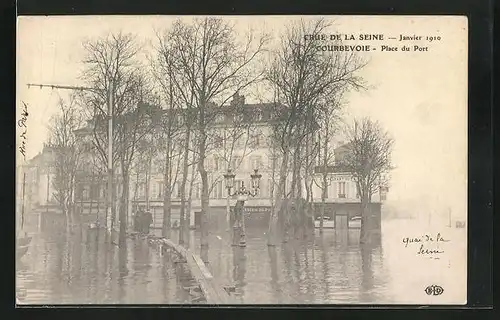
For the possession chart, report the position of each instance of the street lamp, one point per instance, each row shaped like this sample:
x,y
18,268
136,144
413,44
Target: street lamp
x,y
242,193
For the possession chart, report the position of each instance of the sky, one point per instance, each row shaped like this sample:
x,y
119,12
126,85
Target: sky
x,y
420,98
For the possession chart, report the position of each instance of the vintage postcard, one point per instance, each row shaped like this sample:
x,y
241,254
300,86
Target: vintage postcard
x,y
241,160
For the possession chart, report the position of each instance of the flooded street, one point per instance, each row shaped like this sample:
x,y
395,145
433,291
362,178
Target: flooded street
x,y
69,269
332,268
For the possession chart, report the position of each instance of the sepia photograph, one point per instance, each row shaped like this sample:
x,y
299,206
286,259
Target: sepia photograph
x,y
234,160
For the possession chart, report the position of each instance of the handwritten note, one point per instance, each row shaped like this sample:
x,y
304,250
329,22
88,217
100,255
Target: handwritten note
x,y
427,245
22,123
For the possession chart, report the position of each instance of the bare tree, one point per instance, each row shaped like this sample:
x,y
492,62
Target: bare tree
x,y
210,67
176,126
112,68
301,78
329,122
67,153
311,150
367,156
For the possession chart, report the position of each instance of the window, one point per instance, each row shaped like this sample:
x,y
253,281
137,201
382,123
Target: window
x,y
238,184
208,164
85,192
219,118
141,190
218,141
179,189
235,162
222,164
358,194
197,191
239,118
218,163
180,119
383,193
79,191
154,190
241,141
259,115
258,192
257,140
341,189
94,192
256,162
217,190
159,188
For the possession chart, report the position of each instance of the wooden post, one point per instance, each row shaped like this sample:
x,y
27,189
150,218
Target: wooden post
x,y
236,233
243,241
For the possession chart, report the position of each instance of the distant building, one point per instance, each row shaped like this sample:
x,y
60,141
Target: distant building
x,y
36,175
343,199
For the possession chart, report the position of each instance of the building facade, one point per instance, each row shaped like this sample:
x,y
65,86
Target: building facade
x,y
238,138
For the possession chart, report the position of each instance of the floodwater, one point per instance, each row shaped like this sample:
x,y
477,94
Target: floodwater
x,y
332,268
61,268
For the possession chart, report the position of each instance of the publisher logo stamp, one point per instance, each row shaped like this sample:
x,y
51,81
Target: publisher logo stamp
x,y
434,290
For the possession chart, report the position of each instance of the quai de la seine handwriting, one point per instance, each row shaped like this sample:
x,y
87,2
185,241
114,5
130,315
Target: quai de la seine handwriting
x,y
22,124
424,241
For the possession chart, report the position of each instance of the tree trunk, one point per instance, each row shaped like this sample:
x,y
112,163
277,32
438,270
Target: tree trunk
x,y
299,207
309,210
187,219
136,190
167,192
204,186
148,182
291,209
123,209
363,235
204,207
279,195
92,181
185,167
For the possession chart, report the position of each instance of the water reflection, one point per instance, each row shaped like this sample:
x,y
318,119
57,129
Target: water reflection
x,y
81,268
239,270
275,281
329,268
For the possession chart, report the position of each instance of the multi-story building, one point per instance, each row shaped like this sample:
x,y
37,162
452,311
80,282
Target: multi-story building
x,y
238,138
35,177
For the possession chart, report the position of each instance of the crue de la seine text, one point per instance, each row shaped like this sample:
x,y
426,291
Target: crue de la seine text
x,y
386,46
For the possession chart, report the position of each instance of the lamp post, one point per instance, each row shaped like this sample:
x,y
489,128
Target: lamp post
x,y
242,195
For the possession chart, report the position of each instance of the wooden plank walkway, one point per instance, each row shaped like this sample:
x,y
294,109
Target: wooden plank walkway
x,y
214,292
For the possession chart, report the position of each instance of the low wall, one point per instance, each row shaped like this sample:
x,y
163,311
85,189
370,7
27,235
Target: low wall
x,y
213,292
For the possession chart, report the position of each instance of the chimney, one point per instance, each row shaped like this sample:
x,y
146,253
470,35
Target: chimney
x,y
238,99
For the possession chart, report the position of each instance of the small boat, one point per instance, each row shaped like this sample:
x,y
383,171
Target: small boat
x,y
22,242
21,251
